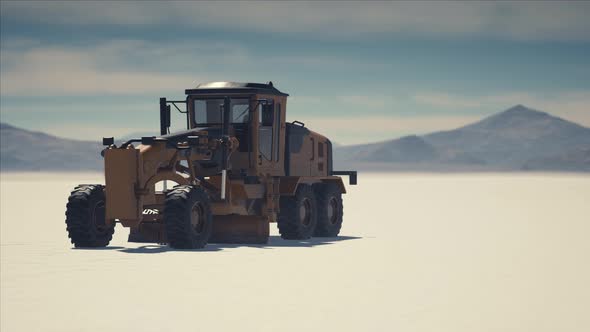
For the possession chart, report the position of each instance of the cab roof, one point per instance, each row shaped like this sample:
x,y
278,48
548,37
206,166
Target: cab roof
x,y
235,87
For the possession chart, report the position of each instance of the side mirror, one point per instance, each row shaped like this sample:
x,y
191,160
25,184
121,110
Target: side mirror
x,y
108,141
267,115
164,116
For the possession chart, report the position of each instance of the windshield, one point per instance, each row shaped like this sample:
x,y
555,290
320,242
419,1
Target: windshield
x,y
210,111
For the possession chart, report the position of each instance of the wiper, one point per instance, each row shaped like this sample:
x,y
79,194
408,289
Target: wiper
x,y
246,110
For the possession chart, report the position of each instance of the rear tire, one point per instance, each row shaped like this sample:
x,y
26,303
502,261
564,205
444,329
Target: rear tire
x,y
85,217
298,215
330,210
187,217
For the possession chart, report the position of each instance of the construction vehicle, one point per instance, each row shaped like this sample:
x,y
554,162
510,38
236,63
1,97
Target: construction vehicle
x,y
238,167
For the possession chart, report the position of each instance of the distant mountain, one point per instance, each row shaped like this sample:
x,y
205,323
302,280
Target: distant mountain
x,y
24,150
574,160
402,150
518,138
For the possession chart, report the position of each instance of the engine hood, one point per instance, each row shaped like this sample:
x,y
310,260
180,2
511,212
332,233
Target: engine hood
x,y
211,131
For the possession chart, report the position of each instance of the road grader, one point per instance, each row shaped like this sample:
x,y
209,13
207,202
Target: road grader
x,y
238,167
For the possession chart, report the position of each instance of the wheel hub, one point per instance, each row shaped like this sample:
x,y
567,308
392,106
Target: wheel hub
x,y
305,212
332,208
98,217
197,217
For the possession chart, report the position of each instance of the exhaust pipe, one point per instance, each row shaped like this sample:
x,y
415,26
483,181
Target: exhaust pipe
x,y
223,179
225,140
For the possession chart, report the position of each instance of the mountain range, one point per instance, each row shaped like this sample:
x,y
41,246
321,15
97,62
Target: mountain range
x,y
518,139
24,150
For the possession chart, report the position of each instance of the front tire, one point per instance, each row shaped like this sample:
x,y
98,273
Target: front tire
x,y
298,215
187,217
85,217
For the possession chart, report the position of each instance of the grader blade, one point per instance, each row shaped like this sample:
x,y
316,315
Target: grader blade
x,y
147,233
240,229
226,229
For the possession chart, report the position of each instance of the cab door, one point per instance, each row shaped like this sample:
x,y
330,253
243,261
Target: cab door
x,y
268,138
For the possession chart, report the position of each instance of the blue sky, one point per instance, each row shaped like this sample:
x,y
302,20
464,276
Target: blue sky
x,y
356,71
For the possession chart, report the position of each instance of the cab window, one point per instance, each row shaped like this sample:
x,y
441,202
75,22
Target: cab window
x,y
265,130
210,111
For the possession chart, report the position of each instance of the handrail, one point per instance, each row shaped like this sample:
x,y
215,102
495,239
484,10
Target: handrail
x,y
352,176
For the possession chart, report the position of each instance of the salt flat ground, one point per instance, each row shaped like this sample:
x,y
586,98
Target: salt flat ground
x,y
418,252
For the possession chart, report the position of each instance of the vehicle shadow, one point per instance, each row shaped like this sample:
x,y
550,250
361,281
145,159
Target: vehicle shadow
x,y
273,242
99,248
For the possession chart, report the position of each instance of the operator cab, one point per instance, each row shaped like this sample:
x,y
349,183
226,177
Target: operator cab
x,y
256,116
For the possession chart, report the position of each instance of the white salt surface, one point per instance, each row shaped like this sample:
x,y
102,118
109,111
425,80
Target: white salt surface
x,y
418,252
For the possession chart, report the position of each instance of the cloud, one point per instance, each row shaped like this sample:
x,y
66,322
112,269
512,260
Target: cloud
x,y
446,100
358,130
524,20
127,67
573,105
89,132
366,102
453,111
353,102
76,78
121,67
